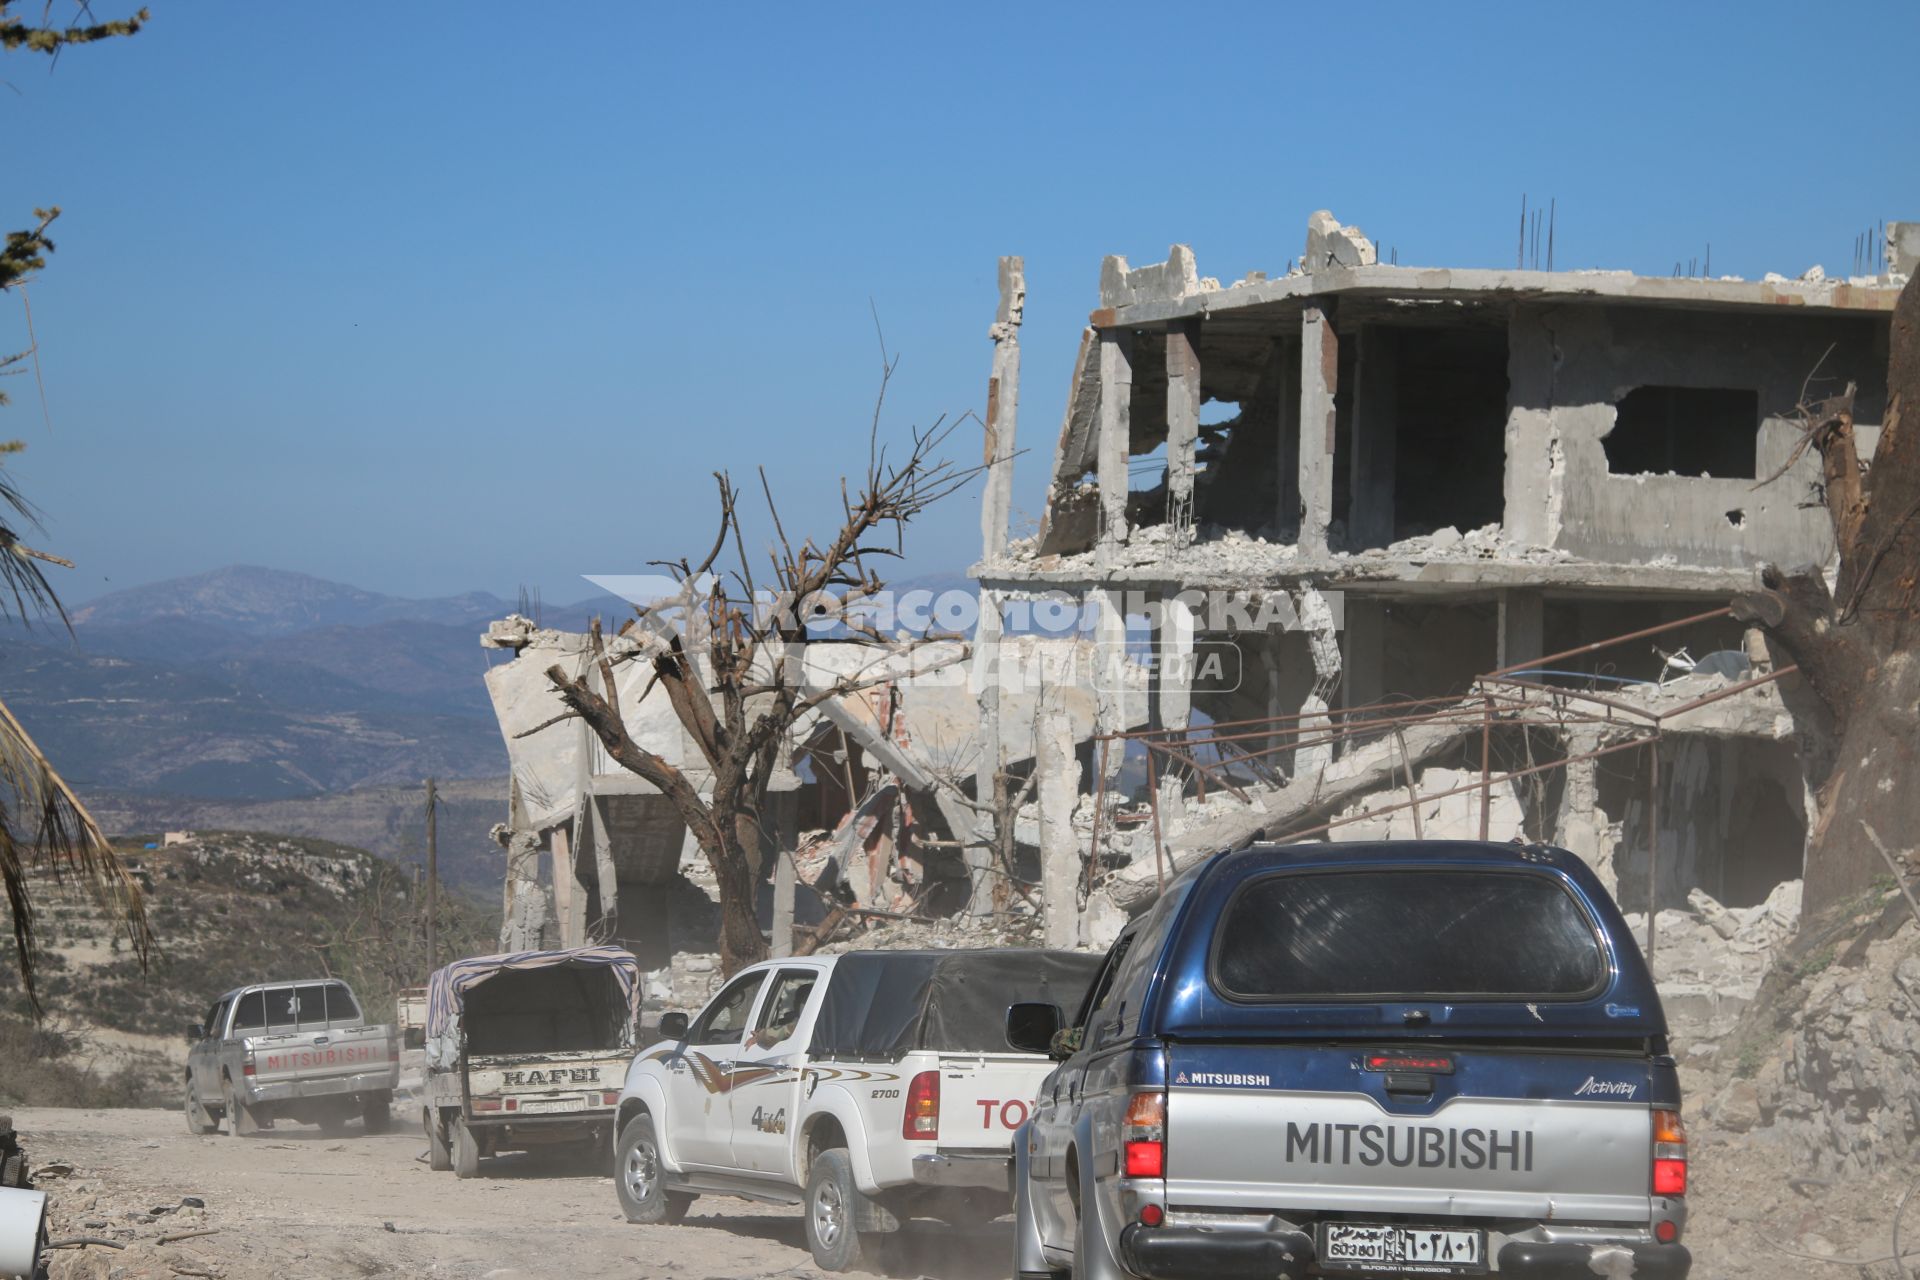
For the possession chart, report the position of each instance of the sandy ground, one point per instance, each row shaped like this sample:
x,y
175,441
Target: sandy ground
x,y
292,1203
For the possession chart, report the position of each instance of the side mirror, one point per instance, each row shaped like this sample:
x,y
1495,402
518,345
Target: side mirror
x,y
1065,1043
196,1033
1031,1026
673,1026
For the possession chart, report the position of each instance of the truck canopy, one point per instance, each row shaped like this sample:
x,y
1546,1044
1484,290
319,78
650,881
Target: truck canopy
x,y
532,1002
882,1004
1409,941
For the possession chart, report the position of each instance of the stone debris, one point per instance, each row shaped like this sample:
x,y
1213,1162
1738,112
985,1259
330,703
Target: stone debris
x,y
1709,961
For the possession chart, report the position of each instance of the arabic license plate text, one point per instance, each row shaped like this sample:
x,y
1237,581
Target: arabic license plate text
x,y
549,1106
1361,1245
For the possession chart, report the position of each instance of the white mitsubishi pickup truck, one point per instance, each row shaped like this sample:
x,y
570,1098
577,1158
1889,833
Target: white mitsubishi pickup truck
x,y
299,1051
874,1087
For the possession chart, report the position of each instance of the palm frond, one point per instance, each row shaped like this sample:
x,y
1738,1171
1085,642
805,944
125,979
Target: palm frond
x,y
21,578
43,826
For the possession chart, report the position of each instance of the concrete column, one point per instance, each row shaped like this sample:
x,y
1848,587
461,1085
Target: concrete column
x,y
1116,409
1059,793
1375,429
1523,627
1319,381
1271,662
1110,683
1003,407
1323,645
606,874
569,903
1364,651
1183,426
1286,376
1532,490
783,890
1581,826
986,685
1173,661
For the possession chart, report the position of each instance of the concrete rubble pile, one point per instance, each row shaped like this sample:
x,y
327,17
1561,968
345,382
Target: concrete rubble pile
x,y
1709,961
1837,1094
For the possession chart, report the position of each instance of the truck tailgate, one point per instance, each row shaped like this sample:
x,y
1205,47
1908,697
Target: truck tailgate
x,y
1502,1133
985,1097
315,1057
548,1083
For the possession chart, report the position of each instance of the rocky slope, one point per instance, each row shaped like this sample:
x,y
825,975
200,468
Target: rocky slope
x,y
226,909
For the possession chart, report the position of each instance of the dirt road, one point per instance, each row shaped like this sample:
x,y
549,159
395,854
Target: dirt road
x,y
292,1203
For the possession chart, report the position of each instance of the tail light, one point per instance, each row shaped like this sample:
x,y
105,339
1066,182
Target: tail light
x,y
246,1064
922,1118
608,1098
486,1104
1145,1135
1669,1154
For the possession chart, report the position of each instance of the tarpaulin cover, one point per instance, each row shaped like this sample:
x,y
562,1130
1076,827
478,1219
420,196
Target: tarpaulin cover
x,y
882,1004
448,986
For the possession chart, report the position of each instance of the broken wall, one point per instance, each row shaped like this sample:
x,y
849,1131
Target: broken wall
x,y
1570,369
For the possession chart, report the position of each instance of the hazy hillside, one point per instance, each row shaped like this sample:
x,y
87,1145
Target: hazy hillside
x,y
274,602
388,821
227,909
251,683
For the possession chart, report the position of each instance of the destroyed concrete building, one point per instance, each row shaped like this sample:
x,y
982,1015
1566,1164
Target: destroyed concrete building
x,y
1461,488
1444,473
868,808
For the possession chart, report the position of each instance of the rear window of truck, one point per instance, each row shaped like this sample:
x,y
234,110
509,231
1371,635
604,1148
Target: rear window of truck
x,y
1406,933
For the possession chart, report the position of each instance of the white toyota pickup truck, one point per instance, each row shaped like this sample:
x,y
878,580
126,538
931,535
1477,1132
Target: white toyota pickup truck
x,y
875,1087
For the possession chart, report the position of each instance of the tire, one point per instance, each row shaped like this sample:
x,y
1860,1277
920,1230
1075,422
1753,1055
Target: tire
x,y
439,1154
199,1122
640,1177
376,1112
13,1172
240,1118
466,1150
832,1213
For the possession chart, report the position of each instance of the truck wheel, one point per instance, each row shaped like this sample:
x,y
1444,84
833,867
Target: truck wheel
x,y
199,1123
439,1154
376,1109
466,1150
641,1177
240,1121
832,1208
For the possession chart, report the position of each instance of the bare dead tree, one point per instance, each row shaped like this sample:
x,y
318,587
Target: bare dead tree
x,y
728,651
1855,643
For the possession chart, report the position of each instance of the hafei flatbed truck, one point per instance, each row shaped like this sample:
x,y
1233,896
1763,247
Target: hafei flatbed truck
x,y
527,1050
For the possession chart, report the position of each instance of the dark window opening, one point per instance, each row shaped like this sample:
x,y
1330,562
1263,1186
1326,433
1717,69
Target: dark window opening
x,y
1407,933
1451,430
1686,431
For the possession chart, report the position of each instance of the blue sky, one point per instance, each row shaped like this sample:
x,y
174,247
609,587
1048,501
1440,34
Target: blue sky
x,y
428,298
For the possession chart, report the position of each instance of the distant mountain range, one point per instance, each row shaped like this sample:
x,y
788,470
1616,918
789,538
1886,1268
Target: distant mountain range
x,y
252,683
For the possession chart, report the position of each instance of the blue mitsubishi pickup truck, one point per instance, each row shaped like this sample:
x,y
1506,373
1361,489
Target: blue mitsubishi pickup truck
x,y
1428,1057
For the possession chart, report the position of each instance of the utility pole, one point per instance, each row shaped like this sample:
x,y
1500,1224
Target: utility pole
x,y
433,883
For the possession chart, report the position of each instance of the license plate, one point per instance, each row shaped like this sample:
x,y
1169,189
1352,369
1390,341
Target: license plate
x,y
1362,1246
549,1106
